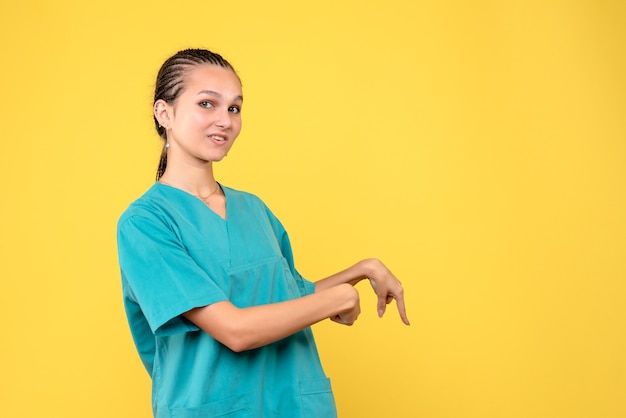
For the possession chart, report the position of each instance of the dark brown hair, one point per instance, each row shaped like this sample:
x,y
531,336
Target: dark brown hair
x,y
169,84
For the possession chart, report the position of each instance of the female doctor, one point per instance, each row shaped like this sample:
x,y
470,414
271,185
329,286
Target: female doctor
x,y
219,314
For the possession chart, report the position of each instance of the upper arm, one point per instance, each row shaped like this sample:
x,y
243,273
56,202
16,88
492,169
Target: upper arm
x,y
217,320
159,274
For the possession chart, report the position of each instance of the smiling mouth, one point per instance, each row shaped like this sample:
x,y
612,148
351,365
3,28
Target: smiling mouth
x,y
218,138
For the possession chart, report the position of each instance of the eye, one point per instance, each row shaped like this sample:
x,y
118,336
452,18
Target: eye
x,y
205,104
234,109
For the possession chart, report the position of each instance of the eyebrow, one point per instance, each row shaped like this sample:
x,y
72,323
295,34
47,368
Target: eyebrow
x,y
216,94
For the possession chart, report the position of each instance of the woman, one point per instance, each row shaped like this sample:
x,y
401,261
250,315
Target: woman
x,y
219,314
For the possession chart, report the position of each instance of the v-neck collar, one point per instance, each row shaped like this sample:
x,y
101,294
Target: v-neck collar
x,y
200,201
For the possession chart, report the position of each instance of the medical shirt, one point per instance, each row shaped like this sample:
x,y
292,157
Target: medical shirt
x,y
176,254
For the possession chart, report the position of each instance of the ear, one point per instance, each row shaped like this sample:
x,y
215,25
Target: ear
x,y
162,113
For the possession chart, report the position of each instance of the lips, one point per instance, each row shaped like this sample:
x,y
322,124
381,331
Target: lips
x,y
218,138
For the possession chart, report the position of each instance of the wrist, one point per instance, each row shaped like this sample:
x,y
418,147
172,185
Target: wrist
x,y
367,268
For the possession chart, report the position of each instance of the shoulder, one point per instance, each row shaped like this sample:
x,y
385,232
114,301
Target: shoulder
x,y
247,201
150,205
250,201
244,197
240,194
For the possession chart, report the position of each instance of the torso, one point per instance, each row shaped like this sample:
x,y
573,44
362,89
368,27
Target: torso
x,y
217,203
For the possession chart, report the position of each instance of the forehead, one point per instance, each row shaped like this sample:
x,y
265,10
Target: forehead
x,y
213,78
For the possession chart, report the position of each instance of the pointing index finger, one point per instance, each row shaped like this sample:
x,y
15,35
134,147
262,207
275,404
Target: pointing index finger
x,y
402,309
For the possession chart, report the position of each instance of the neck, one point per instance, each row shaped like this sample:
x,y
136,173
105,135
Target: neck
x,y
198,181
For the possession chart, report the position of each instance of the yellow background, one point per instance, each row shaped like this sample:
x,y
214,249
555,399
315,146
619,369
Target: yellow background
x,y
478,148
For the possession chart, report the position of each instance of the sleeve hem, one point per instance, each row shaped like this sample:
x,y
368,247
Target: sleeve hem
x,y
172,322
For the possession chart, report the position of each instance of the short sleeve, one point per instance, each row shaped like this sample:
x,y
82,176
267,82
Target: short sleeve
x,y
159,275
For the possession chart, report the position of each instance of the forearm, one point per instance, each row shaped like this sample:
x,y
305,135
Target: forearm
x,y
352,275
386,286
247,328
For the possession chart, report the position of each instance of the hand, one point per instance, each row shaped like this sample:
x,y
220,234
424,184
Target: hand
x,y
347,318
386,287
352,311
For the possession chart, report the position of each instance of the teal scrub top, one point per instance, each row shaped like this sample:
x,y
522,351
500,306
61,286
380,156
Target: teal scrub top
x,y
176,254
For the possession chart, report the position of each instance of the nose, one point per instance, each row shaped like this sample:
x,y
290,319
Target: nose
x,y
222,119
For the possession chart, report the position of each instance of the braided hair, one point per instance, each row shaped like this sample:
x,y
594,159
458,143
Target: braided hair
x,y
169,84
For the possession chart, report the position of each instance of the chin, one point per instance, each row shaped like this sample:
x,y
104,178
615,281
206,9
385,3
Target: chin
x,y
215,158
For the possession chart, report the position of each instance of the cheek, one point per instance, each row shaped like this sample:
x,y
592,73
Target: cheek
x,y
197,118
236,124
188,121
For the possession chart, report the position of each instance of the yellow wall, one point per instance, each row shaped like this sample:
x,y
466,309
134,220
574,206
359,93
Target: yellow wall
x,y
479,148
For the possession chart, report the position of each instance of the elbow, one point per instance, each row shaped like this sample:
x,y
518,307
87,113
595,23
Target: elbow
x,y
234,342
228,325
238,347
239,344
239,340
225,324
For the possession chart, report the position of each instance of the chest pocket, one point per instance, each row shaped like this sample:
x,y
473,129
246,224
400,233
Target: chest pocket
x,y
266,281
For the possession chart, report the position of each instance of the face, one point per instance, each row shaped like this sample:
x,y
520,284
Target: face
x,y
205,120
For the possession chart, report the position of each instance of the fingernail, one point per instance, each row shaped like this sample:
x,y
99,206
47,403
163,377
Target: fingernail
x,y
380,313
